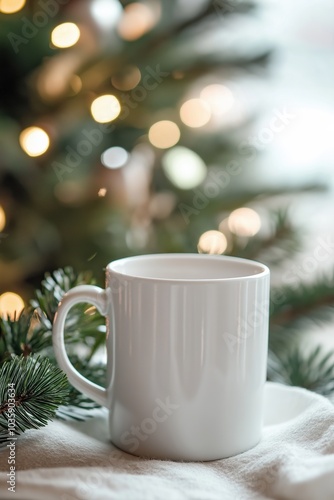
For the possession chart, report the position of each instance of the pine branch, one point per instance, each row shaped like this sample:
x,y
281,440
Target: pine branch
x,y
31,389
283,241
307,301
77,405
22,335
54,286
219,8
313,371
31,333
83,324
165,44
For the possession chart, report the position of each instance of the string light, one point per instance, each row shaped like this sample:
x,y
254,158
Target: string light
x,y
34,141
195,113
106,12
2,219
218,97
11,6
65,35
212,242
127,79
105,108
138,19
244,222
11,304
114,157
223,226
184,167
164,134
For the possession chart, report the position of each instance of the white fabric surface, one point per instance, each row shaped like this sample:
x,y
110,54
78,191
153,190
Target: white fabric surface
x,y
75,461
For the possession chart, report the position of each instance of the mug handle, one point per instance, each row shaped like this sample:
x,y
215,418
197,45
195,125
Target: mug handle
x,y
82,293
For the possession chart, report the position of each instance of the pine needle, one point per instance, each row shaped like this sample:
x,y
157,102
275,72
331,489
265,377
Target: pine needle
x,y
313,371
39,387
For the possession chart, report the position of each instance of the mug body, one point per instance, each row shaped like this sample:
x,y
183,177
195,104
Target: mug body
x,y
187,355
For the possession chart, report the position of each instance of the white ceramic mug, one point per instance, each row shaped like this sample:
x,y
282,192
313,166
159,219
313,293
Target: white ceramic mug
x,y
187,339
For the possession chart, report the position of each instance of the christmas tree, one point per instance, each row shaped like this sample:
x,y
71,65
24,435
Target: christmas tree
x,y
124,130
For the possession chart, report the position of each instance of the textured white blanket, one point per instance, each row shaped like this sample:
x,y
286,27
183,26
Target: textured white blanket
x,y
72,461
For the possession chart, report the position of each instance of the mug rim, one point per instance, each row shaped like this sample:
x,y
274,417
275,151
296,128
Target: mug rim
x,y
237,260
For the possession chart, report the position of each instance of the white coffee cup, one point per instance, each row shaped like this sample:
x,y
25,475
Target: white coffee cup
x,y
187,340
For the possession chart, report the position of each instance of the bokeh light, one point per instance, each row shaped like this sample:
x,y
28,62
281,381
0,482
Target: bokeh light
x,y
183,167
127,79
2,219
164,134
70,192
11,6
105,108
75,84
65,35
213,242
218,97
11,304
56,76
137,237
102,192
138,19
34,141
162,204
114,157
223,226
195,113
244,222
106,12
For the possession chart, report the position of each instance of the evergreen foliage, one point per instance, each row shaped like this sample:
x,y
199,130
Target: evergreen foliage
x,y
39,387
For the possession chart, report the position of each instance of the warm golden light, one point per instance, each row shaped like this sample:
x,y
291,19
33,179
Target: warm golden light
x,y
65,35
178,75
164,134
2,219
137,20
34,141
58,77
11,304
244,222
223,226
183,167
195,113
102,192
127,79
76,84
213,242
11,6
70,192
218,97
105,108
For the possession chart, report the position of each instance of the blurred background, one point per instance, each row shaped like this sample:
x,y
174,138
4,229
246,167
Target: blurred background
x,y
167,126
